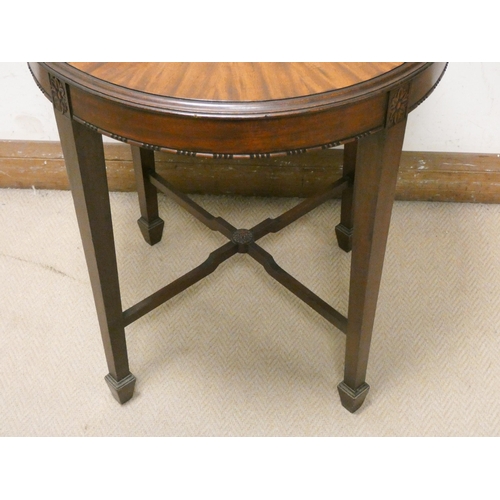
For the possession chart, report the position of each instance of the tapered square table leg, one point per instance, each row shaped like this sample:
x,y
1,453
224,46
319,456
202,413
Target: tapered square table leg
x,y
150,224
377,165
84,156
345,228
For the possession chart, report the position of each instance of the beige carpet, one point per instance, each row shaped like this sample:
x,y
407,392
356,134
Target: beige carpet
x,y
237,354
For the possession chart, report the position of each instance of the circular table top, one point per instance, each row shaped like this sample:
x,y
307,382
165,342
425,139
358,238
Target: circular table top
x,y
236,109
234,81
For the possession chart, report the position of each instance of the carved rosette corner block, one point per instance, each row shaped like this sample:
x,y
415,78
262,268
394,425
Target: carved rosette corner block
x,y
59,95
397,108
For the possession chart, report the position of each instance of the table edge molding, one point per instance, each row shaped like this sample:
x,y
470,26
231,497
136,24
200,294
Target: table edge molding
x,y
386,88
231,109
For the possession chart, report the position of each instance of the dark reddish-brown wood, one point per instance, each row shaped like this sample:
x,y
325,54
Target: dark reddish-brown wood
x,y
345,228
84,154
150,224
237,110
377,162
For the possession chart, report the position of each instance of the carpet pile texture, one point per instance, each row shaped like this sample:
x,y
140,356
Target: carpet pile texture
x,y
237,354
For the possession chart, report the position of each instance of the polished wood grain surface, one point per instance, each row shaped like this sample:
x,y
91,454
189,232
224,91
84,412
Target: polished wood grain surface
x,y
423,175
235,81
307,107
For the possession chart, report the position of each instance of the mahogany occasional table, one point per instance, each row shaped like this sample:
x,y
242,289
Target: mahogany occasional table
x,y
233,110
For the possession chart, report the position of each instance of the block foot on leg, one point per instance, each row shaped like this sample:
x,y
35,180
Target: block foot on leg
x,y
151,231
122,390
344,237
352,399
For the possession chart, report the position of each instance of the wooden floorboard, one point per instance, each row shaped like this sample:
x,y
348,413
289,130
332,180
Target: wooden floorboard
x,y
423,176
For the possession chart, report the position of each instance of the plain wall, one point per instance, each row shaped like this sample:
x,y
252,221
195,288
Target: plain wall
x,y
462,115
